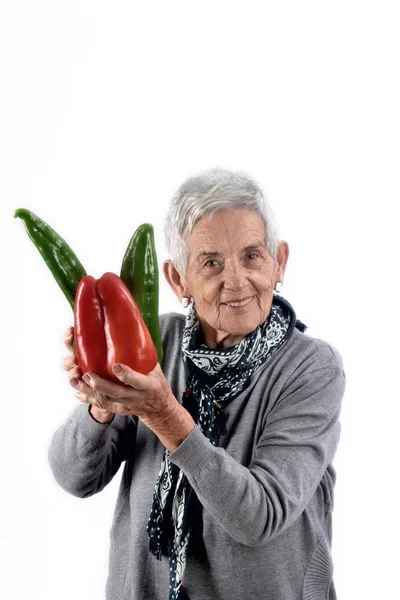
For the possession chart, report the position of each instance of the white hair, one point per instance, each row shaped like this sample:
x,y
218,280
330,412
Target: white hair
x,y
207,193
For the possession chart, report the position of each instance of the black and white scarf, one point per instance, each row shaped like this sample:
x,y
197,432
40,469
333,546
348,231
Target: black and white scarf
x,y
214,376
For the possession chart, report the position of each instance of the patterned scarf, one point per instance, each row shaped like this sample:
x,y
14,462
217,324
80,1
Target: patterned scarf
x,y
214,376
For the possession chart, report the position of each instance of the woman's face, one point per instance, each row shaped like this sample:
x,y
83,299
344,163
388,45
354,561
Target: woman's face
x,y
230,275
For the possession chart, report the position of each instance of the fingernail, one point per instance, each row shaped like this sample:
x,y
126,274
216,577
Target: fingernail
x,y
87,379
117,369
74,382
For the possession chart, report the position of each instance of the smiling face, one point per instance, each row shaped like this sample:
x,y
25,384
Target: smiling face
x,y
230,275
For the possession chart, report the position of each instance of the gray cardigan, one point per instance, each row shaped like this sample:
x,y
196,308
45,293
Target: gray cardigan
x,y
263,524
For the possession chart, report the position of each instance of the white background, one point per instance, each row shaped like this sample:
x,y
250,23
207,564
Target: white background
x,y
105,108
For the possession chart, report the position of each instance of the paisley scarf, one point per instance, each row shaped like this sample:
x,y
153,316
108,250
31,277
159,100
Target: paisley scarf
x,y
214,377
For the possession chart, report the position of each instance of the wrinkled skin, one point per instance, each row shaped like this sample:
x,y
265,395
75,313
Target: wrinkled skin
x,y
230,274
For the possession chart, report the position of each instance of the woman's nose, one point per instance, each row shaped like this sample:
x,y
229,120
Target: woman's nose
x,y
234,277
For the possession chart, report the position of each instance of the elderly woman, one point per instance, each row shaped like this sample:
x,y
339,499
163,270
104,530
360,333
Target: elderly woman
x,y
227,488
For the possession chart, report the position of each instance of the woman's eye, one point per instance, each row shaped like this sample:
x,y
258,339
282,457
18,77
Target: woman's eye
x,y
252,256
210,263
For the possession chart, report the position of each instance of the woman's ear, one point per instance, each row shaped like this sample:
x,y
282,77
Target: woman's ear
x,y
281,261
174,279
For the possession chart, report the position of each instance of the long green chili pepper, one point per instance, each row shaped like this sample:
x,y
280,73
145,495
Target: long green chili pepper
x,y
139,272
61,260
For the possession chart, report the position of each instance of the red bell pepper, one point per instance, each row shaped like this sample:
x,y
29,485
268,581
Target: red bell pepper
x,y
109,328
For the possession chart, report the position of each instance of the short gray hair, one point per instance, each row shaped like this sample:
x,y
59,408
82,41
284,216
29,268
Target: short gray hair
x,y
207,193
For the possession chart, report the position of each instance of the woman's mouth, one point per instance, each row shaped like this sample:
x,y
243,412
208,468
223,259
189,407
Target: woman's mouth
x,y
239,303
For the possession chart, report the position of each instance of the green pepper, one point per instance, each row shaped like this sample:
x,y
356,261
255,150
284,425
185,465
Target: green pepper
x,y
139,272
61,260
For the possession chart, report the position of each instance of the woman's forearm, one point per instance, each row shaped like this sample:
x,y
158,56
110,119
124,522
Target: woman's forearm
x,y
172,427
85,453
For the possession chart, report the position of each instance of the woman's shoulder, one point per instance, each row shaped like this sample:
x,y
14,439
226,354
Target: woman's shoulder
x,y
172,317
171,325
312,353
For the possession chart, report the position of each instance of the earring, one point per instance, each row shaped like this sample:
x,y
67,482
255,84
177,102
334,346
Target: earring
x,y
278,287
185,302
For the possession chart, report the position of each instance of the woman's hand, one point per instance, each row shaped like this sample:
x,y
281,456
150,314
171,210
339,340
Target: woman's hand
x,y
70,364
149,397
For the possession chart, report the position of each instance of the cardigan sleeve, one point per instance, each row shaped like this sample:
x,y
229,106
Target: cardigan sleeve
x,y
84,455
256,503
